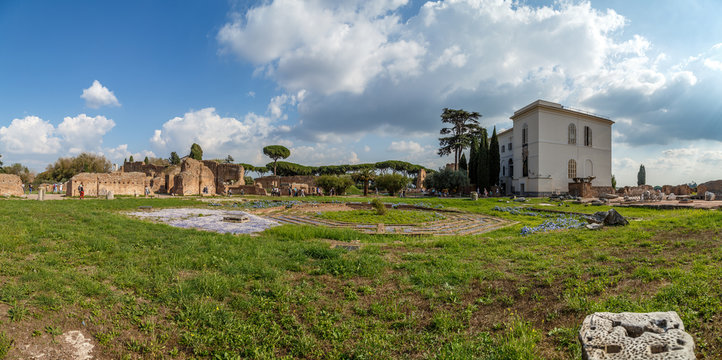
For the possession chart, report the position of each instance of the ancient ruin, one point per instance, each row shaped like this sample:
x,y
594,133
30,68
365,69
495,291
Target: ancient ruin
x,y
714,187
192,177
10,185
657,335
306,183
99,184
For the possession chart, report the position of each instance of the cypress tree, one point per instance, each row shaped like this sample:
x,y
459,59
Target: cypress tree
x,y
473,160
641,176
462,163
494,159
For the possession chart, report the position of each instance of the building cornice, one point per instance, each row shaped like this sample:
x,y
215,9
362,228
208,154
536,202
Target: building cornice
x,y
558,108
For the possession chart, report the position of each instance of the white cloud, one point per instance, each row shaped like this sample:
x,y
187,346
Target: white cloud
x,y
84,132
405,146
29,135
713,64
218,136
98,95
367,148
343,46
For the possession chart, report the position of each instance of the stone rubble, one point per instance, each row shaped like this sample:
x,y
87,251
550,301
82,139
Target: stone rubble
x,y
657,335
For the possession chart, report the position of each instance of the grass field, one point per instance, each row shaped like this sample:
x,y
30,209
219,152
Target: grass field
x,y
392,216
145,290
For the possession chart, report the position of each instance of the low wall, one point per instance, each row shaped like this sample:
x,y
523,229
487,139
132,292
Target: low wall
x,y
10,185
120,183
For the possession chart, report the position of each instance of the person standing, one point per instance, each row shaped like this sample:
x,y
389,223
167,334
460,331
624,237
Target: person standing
x,y
81,190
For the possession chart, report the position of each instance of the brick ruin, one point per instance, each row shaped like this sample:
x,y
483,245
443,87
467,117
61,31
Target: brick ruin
x,y
11,185
98,184
191,177
305,182
714,187
677,190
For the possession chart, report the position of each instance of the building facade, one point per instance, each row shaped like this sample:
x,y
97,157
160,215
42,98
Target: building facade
x,y
550,145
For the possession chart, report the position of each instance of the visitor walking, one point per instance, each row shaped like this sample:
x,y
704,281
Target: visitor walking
x,y
81,190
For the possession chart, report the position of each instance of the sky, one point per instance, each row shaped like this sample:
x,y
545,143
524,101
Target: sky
x,y
355,81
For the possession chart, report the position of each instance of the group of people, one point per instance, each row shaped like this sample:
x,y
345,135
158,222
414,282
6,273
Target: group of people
x,y
57,188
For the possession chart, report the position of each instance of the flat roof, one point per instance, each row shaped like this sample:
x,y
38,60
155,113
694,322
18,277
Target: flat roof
x,y
558,107
505,131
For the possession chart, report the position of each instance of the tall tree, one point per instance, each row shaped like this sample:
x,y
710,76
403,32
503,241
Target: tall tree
x,y
641,176
463,125
146,161
482,163
131,158
364,175
276,152
229,159
462,163
473,160
196,152
494,159
174,158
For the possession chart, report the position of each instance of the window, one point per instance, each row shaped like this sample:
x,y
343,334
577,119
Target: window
x,y
503,171
511,167
572,134
572,169
509,146
502,148
525,135
587,136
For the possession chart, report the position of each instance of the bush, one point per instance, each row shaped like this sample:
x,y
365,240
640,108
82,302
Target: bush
x,y
339,184
392,182
451,180
378,206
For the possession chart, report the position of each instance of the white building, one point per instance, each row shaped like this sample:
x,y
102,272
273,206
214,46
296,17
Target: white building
x,y
549,145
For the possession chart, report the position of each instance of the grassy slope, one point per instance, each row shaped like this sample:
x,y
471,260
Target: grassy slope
x,y
144,289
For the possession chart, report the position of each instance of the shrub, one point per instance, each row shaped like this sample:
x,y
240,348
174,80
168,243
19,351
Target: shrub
x,y
454,181
378,206
339,184
392,182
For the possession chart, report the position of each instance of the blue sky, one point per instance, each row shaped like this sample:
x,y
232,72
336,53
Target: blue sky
x,y
355,81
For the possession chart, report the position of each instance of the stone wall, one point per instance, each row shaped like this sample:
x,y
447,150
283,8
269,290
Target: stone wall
x,y
683,189
581,189
420,179
598,191
634,190
306,182
246,190
10,185
120,183
714,186
195,176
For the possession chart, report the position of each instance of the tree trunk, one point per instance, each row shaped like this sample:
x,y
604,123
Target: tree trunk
x,y
366,188
274,167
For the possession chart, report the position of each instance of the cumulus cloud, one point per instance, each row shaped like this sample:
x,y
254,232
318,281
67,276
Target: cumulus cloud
x,y
29,135
33,135
343,47
98,95
367,70
405,146
84,132
217,135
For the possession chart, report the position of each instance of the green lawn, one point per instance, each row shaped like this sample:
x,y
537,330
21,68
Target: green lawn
x,y
392,216
145,290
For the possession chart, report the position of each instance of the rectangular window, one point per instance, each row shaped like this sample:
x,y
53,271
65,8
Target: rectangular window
x,y
502,148
509,146
587,136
